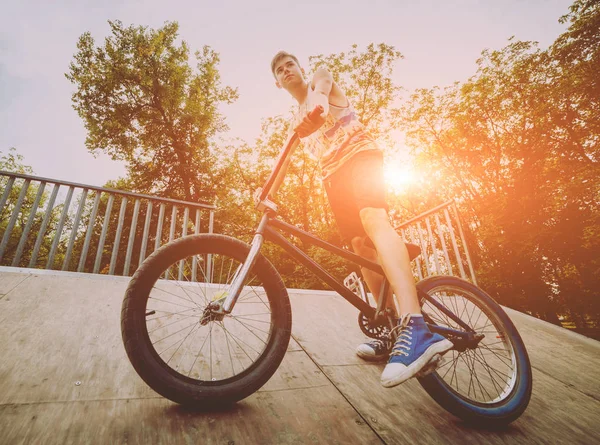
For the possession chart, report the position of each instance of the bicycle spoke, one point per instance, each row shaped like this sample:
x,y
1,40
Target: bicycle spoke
x,y
228,348
169,302
252,319
187,349
176,296
259,297
183,341
470,376
164,350
251,331
169,324
210,352
498,356
237,338
500,374
176,280
488,369
481,387
168,314
485,373
198,354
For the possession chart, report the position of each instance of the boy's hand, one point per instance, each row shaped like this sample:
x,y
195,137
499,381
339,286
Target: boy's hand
x,y
316,118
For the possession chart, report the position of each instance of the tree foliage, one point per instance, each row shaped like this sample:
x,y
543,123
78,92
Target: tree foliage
x,y
142,103
517,146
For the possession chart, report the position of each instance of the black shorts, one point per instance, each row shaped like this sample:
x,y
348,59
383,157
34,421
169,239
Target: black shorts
x,y
358,184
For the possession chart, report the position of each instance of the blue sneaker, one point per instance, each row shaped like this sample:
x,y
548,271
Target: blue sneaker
x,y
413,351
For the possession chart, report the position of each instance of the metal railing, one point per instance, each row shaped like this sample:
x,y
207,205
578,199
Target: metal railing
x,y
439,234
75,228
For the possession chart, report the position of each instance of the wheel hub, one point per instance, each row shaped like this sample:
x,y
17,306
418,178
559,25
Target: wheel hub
x,y
209,314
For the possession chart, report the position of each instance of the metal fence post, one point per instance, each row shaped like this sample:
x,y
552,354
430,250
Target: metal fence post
x,y
13,218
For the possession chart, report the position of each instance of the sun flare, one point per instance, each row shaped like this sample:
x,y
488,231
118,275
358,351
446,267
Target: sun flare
x,y
399,177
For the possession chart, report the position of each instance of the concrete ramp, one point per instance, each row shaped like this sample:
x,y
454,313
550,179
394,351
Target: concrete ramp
x,y
65,378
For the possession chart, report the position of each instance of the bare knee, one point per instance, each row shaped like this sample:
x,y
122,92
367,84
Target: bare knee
x,y
357,243
360,248
374,221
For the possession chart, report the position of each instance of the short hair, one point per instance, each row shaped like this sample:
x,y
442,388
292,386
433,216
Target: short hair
x,y
280,55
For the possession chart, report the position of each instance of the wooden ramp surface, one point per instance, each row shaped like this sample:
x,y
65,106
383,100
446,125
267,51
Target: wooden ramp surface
x,y
65,378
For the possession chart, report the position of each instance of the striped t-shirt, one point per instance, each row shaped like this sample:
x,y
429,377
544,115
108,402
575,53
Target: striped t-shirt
x,y
341,137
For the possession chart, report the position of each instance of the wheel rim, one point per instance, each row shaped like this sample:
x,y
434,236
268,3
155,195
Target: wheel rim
x,y
222,349
487,374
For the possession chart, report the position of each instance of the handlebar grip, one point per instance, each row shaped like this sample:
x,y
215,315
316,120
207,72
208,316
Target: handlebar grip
x,y
316,112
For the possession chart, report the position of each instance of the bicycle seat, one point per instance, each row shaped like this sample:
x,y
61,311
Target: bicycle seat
x,y
413,250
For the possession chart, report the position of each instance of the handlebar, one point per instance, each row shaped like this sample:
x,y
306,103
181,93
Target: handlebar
x,y
283,155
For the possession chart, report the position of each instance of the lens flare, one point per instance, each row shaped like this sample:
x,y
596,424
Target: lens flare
x,y
399,177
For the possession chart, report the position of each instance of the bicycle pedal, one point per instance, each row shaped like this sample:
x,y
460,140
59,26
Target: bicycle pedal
x,y
430,367
354,283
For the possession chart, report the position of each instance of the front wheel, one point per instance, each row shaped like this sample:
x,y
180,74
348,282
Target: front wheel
x,y
182,350
489,383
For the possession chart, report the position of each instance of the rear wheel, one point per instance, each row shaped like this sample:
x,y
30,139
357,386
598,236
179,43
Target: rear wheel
x,y
490,382
184,352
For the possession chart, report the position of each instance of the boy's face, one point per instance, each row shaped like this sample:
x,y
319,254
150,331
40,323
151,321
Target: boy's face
x,y
288,73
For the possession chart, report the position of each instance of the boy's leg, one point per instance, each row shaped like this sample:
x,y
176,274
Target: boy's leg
x,y
393,257
415,347
373,350
373,279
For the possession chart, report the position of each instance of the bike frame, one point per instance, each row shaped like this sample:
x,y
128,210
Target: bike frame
x,y
267,230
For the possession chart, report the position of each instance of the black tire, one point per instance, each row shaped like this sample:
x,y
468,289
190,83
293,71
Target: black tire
x,y
147,300
500,357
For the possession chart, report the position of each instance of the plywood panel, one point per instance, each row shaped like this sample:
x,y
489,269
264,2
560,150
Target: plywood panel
x,y
406,413
327,326
57,330
61,341
569,357
315,416
296,371
9,281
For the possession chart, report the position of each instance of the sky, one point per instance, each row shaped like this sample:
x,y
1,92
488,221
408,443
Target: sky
x,y
439,39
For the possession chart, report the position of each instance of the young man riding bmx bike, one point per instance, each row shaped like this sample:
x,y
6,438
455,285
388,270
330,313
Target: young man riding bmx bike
x,y
352,172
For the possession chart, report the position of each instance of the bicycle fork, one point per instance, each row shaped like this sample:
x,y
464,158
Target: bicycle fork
x,y
236,286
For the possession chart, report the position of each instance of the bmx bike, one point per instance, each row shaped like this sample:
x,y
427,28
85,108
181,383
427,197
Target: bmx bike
x,y
206,321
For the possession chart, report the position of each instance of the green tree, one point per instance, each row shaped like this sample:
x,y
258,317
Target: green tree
x,y
517,146
142,103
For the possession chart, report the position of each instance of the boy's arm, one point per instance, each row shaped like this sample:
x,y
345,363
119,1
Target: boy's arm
x,y
321,89
322,82
320,85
